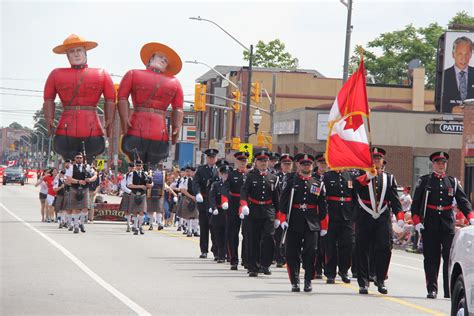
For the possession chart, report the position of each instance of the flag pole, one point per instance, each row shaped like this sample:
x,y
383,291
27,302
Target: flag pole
x,y
360,50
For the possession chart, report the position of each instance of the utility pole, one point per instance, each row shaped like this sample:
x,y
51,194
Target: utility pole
x,y
345,74
249,92
273,103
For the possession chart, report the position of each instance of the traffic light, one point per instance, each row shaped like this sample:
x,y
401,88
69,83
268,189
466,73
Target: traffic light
x,y
200,97
255,93
235,143
260,140
236,104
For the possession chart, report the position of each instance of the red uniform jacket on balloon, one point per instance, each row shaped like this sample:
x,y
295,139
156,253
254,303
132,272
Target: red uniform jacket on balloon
x,y
79,122
140,84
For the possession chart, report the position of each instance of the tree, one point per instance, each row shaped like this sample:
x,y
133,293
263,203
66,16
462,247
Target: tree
x,y
462,18
272,54
400,47
15,125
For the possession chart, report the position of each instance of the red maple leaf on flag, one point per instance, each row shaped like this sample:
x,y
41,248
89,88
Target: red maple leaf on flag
x,y
354,122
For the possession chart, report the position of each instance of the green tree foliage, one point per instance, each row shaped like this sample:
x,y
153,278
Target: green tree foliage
x,y
462,18
15,125
387,56
272,54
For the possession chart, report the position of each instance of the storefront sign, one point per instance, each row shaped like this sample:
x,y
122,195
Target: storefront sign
x,y
450,128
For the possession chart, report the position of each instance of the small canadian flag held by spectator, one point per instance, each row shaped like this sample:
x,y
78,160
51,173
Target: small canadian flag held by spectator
x,y
11,163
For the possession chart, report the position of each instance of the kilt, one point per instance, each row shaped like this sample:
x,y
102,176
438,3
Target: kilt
x,y
133,207
178,209
125,203
58,203
188,208
71,201
154,204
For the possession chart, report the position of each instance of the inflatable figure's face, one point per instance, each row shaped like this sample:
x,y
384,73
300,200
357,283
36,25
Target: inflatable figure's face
x,y
77,56
159,61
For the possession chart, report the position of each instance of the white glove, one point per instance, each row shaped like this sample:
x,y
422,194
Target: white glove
x,y
284,225
210,210
242,216
419,227
245,210
401,223
370,175
471,221
323,232
225,206
276,223
215,212
175,199
199,198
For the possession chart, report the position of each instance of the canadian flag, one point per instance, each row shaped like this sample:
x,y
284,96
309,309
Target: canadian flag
x,y
11,163
347,145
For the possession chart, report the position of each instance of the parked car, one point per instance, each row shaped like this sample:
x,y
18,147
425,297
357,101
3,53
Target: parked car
x,y
461,272
14,175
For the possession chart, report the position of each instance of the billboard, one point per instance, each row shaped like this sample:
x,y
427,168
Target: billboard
x,y
455,79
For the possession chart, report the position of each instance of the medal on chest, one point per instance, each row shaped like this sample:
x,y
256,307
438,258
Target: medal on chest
x,y
315,189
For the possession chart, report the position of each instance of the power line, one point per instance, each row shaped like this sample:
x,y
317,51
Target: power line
x,y
22,95
21,79
15,89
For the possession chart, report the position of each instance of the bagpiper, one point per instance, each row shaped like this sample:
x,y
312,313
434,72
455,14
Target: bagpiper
x,y
303,202
433,217
138,182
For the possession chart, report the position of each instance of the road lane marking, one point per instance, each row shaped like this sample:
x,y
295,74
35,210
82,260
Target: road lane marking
x,y
405,266
122,297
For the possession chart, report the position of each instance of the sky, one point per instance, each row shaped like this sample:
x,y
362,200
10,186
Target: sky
x,y
313,31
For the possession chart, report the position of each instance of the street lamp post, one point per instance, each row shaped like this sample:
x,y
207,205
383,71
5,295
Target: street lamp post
x,y
257,119
348,5
249,85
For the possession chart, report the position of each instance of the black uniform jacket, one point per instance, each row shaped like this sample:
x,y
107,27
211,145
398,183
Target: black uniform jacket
x,y
340,195
390,198
203,179
308,205
439,214
218,189
261,194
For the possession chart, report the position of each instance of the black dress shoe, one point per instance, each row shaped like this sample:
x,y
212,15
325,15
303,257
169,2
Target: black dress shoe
x,y
279,265
330,281
431,294
295,287
151,227
253,274
446,295
345,278
220,261
382,288
215,258
233,267
363,290
203,255
307,286
267,271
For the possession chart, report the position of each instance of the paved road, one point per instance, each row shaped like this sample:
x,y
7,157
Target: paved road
x,y
49,271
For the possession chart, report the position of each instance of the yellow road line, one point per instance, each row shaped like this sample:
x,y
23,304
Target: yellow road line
x,y
385,297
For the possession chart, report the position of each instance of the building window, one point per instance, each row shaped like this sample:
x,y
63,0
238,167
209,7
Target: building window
x,y
421,166
189,120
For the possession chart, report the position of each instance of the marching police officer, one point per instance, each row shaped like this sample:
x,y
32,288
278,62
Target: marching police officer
x,y
318,173
432,213
201,184
235,182
259,201
338,248
304,203
375,191
286,163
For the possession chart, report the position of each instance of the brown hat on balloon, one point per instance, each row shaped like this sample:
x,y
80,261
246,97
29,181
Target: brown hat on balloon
x,y
174,61
72,41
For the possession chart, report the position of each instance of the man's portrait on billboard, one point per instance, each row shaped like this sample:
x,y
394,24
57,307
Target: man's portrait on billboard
x,y
458,79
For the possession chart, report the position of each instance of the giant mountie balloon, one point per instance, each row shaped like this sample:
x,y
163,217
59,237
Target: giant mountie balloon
x,y
79,88
153,90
